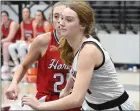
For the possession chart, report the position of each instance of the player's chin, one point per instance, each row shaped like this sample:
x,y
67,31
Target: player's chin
x,y
64,33
58,29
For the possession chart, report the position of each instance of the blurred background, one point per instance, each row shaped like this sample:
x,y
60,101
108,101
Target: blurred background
x,y
118,28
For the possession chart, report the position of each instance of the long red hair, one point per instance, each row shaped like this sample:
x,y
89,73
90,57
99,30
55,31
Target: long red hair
x,y
86,17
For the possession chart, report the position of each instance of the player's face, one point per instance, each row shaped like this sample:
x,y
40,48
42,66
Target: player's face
x,y
25,13
4,17
56,16
38,16
69,23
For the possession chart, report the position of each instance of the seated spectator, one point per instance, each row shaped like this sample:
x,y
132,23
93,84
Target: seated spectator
x,y
19,49
10,33
40,24
30,28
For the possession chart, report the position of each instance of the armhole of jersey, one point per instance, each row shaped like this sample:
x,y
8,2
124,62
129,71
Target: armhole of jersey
x,y
92,42
55,37
48,45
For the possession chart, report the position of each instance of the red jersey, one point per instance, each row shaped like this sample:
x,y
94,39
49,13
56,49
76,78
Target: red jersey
x,y
28,29
51,28
6,31
40,29
52,72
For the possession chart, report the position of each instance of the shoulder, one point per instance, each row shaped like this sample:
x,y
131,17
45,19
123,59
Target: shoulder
x,y
88,49
46,23
43,39
90,53
34,23
14,24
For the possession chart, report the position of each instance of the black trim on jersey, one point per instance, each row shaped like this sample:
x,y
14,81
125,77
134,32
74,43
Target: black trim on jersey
x,y
92,42
110,104
120,108
55,37
76,52
89,92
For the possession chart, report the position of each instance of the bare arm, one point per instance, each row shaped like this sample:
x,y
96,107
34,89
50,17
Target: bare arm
x,y
82,81
30,39
22,31
1,34
34,29
38,46
1,30
13,29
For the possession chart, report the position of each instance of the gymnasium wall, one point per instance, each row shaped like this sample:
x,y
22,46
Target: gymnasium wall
x,y
123,48
33,10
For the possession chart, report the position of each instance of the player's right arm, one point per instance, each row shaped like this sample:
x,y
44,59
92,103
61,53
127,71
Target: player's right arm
x,y
38,47
33,54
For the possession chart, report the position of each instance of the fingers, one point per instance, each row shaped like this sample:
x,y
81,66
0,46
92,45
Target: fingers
x,y
15,96
11,95
25,100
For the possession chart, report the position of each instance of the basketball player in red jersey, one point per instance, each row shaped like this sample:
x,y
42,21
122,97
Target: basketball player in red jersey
x,y
26,25
40,24
52,72
10,33
26,38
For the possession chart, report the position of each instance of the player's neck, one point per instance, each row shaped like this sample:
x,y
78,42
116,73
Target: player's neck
x,y
27,21
6,24
58,35
76,42
40,23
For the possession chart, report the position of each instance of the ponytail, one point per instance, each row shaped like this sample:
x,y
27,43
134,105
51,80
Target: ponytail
x,y
66,51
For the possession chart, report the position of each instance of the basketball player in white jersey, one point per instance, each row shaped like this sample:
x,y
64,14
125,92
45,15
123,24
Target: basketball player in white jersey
x,y
96,85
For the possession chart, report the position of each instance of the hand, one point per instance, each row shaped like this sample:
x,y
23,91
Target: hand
x,y
64,93
31,101
12,92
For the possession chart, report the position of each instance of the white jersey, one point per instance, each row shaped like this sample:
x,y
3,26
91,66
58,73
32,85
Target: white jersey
x,y
104,85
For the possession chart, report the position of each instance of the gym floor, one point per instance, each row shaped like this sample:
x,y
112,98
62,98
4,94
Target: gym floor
x,y
130,80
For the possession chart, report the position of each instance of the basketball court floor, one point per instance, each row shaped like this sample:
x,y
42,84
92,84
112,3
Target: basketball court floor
x,y
130,80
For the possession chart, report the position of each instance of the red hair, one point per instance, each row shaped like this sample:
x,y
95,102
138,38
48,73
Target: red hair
x,y
86,18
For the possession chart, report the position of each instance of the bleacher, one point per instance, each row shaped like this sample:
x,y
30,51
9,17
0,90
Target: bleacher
x,y
122,16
